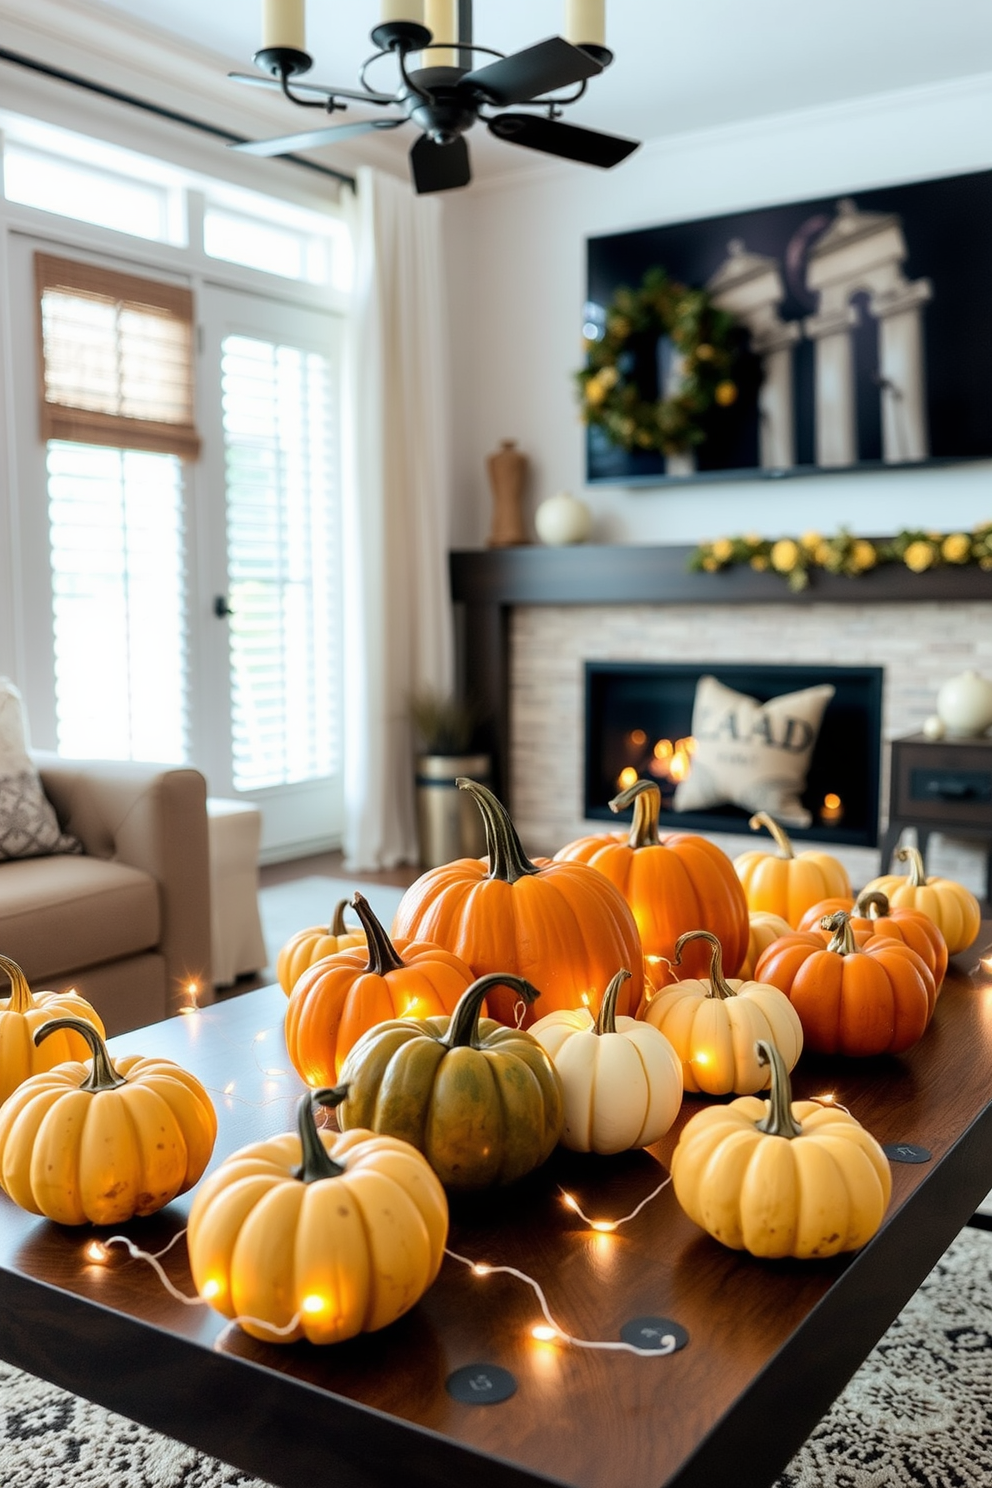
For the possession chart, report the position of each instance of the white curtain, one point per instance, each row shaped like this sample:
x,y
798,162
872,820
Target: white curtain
x,y
398,632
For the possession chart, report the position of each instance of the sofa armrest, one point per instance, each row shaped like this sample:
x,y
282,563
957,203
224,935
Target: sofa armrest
x,y
151,817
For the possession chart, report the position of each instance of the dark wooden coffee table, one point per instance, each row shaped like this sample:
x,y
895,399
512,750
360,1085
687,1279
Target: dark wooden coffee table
x,y
770,1345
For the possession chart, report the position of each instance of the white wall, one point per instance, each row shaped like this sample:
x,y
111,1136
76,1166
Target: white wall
x,y
518,285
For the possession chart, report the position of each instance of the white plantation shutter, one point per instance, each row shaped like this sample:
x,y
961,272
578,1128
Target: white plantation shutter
x,y
280,431
119,601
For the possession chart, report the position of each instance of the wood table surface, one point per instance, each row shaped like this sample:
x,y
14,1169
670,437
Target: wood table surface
x,y
770,1344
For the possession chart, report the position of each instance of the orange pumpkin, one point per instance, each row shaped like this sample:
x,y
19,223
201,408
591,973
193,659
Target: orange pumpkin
x,y
562,926
785,883
859,1000
22,1014
340,998
953,908
871,915
673,883
307,946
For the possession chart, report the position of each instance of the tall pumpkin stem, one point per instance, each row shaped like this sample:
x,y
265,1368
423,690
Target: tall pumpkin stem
x,y
337,925
917,872
317,1161
719,986
872,904
779,1121
762,819
843,941
464,1025
21,1000
646,798
507,859
383,955
102,1075
607,1020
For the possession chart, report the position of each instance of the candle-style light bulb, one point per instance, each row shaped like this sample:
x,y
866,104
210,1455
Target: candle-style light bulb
x,y
283,25
585,22
401,10
441,19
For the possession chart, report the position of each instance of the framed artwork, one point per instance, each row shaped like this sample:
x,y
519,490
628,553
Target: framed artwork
x,y
866,330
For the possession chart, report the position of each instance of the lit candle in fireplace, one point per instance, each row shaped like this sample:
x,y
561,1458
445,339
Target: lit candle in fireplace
x,y
832,810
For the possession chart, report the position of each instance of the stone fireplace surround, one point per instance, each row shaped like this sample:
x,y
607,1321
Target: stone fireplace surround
x,y
533,615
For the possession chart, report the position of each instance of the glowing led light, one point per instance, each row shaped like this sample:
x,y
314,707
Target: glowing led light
x,y
987,962
481,1269
411,1007
543,1333
570,1203
212,1288
585,999
97,1252
314,1303
229,1088
627,777
638,738
604,1226
678,767
663,750
701,1058
193,993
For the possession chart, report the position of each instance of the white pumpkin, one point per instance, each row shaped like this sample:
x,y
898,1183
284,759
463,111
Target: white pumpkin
x,y
621,1078
714,1024
763,928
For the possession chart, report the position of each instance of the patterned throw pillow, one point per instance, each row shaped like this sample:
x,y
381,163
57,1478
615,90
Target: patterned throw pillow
x,y
750,754
29,827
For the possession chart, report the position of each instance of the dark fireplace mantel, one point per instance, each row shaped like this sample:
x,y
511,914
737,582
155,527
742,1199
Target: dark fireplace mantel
x,y
490,582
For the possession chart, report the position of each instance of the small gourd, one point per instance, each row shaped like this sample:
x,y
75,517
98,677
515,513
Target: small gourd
x,y
104,1143
482,1102
953,908
714,1025
787,883
621,1078
22,1014
307,946
781,1178
763,928
317,1235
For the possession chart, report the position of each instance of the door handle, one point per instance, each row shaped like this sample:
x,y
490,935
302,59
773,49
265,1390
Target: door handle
x,y
221,607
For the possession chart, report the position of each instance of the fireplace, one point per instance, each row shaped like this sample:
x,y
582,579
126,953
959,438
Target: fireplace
x,y
638,719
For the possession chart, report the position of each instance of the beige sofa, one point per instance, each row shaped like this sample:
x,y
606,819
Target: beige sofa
x,y
127,922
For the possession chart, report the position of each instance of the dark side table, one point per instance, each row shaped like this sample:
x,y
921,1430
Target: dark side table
x,y
940,785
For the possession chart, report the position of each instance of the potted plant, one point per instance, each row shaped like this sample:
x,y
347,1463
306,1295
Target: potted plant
x,y
448,822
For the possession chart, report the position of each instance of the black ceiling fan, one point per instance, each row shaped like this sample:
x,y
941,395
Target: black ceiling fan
x,y
444,99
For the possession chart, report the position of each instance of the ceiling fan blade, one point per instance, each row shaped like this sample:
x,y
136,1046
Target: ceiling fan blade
x,y
566,140
310,139
439,167
533,72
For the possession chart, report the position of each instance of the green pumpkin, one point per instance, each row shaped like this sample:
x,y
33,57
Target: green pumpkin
x,y
482,1102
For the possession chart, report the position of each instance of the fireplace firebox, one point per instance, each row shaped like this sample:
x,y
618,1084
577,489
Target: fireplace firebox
x,y
638,721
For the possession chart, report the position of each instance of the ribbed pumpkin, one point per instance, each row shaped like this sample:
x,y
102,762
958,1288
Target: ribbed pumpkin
x,y
22,1014
106,1142
621,1078
858,1000
785,883
953,908
714,1024
317,1235
562,926
339,998
671,883
872,915
307,946
763,928
482,1102
781,1178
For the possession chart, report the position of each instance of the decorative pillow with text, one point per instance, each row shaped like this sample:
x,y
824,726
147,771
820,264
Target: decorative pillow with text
x,y
750,754
29,827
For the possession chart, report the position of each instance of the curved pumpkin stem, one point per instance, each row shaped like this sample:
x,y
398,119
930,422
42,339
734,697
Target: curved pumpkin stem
x,y
383,955
102,1075
21,1000
762,819
780,1121
719,986
507,859
464,1023
317,1161
872,904
337,925
843,941
646,798
917,872
607,1020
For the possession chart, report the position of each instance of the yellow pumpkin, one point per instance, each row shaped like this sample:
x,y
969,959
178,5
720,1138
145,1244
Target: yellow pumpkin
x,y
317,1235
764,928
781,1178
107,1142
22,1014
787,883
621,1078
953,908
307,946
714,1024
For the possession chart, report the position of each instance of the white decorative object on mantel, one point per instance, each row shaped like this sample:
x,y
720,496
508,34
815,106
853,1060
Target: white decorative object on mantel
x,y
563,519
933,727
964,705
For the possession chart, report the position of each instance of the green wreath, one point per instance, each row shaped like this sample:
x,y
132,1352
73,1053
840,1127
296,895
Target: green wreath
x,y
704,339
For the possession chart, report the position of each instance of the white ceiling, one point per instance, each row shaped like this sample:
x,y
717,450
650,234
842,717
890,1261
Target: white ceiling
x,y
681,65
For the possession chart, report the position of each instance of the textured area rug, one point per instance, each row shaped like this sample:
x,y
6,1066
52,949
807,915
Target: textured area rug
x,y
918,1414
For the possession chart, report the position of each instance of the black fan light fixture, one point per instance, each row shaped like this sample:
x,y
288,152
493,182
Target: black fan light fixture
x,y
441,91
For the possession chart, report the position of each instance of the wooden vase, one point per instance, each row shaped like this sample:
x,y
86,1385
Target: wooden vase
x,y
507,469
